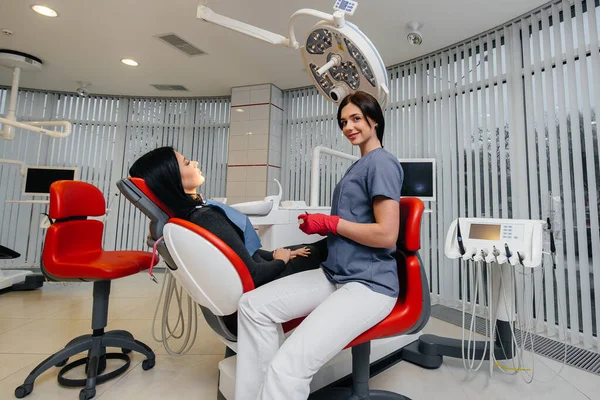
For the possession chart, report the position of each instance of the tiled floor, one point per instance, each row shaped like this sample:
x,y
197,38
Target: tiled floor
x,y
38,323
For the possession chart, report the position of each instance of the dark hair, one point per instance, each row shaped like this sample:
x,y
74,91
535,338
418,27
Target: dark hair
x,y
160,170
369,107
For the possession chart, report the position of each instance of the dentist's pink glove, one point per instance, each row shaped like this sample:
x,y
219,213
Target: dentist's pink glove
x,y
319,223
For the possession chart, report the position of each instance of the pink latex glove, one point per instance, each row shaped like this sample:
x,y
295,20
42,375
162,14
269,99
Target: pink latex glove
x,y
319,223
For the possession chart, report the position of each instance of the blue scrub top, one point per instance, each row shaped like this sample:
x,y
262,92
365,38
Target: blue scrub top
x,y
378,173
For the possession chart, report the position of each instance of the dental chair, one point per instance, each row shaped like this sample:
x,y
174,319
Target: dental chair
x,y
215,277
73,252
219,278
138,193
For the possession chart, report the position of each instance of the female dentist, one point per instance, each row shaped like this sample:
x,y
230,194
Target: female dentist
x,y
355,288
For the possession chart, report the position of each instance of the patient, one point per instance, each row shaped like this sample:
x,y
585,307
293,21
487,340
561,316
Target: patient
x,y
174,180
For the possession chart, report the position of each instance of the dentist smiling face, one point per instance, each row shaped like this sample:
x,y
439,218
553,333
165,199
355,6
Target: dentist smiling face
x,y
361,122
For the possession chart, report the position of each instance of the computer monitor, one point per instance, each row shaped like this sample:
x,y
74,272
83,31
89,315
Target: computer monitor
x,y
38,179
419,178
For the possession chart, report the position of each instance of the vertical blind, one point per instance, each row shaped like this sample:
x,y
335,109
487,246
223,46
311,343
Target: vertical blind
x,y
199,129
511,118
109,133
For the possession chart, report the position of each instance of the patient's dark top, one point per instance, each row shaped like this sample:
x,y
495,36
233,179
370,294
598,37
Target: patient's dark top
x,y
261,265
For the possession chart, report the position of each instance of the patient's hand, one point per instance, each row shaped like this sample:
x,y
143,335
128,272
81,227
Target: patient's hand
x,y
282,254
302,252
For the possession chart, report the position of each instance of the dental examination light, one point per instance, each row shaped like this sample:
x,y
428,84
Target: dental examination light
x,y
338,57
20,61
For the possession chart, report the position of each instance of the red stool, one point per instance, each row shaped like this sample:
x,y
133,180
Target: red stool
x,y
73,252
410,314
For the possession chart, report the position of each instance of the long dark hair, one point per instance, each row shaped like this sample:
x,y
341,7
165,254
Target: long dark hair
x,y
369,107
160,170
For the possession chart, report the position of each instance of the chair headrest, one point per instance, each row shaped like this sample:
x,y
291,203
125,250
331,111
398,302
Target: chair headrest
x,y
75,199
141,184
411,210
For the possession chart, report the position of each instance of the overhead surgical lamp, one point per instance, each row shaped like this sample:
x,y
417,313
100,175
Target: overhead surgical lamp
x,y
338,57
20,61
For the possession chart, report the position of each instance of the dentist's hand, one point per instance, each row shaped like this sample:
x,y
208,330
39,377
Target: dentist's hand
x,y
319,223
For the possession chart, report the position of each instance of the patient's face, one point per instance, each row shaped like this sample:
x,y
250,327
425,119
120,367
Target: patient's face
x,y
191,176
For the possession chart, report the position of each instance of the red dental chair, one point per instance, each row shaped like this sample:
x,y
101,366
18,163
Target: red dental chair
x,y
215,277
73,252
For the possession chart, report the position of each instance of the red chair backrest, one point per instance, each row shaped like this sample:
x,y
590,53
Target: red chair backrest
x,y
71,202
141,184
409,306
409,237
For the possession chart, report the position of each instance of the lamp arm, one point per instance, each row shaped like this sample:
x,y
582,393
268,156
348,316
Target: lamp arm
x,y
35,126
206,14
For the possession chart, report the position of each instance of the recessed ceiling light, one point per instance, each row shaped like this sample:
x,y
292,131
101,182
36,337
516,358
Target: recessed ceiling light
x,y
45,11
239,109
249,133
130,62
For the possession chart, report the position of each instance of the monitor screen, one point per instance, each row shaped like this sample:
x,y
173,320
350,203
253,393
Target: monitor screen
x,y
39,179
419,178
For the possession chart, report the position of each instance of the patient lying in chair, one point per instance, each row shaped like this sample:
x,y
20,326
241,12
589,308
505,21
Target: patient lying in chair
x,y
174,180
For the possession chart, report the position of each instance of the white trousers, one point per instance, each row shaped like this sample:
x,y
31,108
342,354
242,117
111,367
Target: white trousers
x,y
336,315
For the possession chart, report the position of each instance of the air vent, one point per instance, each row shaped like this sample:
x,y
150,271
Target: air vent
x,y
180,44
179,88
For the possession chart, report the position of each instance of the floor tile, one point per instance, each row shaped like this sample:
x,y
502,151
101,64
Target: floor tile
x,y
11,363
117,307
7,324
585,382
38,306
185,377
43,336
418,383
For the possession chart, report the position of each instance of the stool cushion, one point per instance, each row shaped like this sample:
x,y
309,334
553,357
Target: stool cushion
x,y
73,250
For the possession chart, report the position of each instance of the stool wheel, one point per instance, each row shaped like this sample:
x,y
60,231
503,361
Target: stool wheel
x,y
23,391
86,394
148,364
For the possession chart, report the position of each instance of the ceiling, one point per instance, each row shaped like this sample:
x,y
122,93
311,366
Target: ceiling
x,y
89,38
